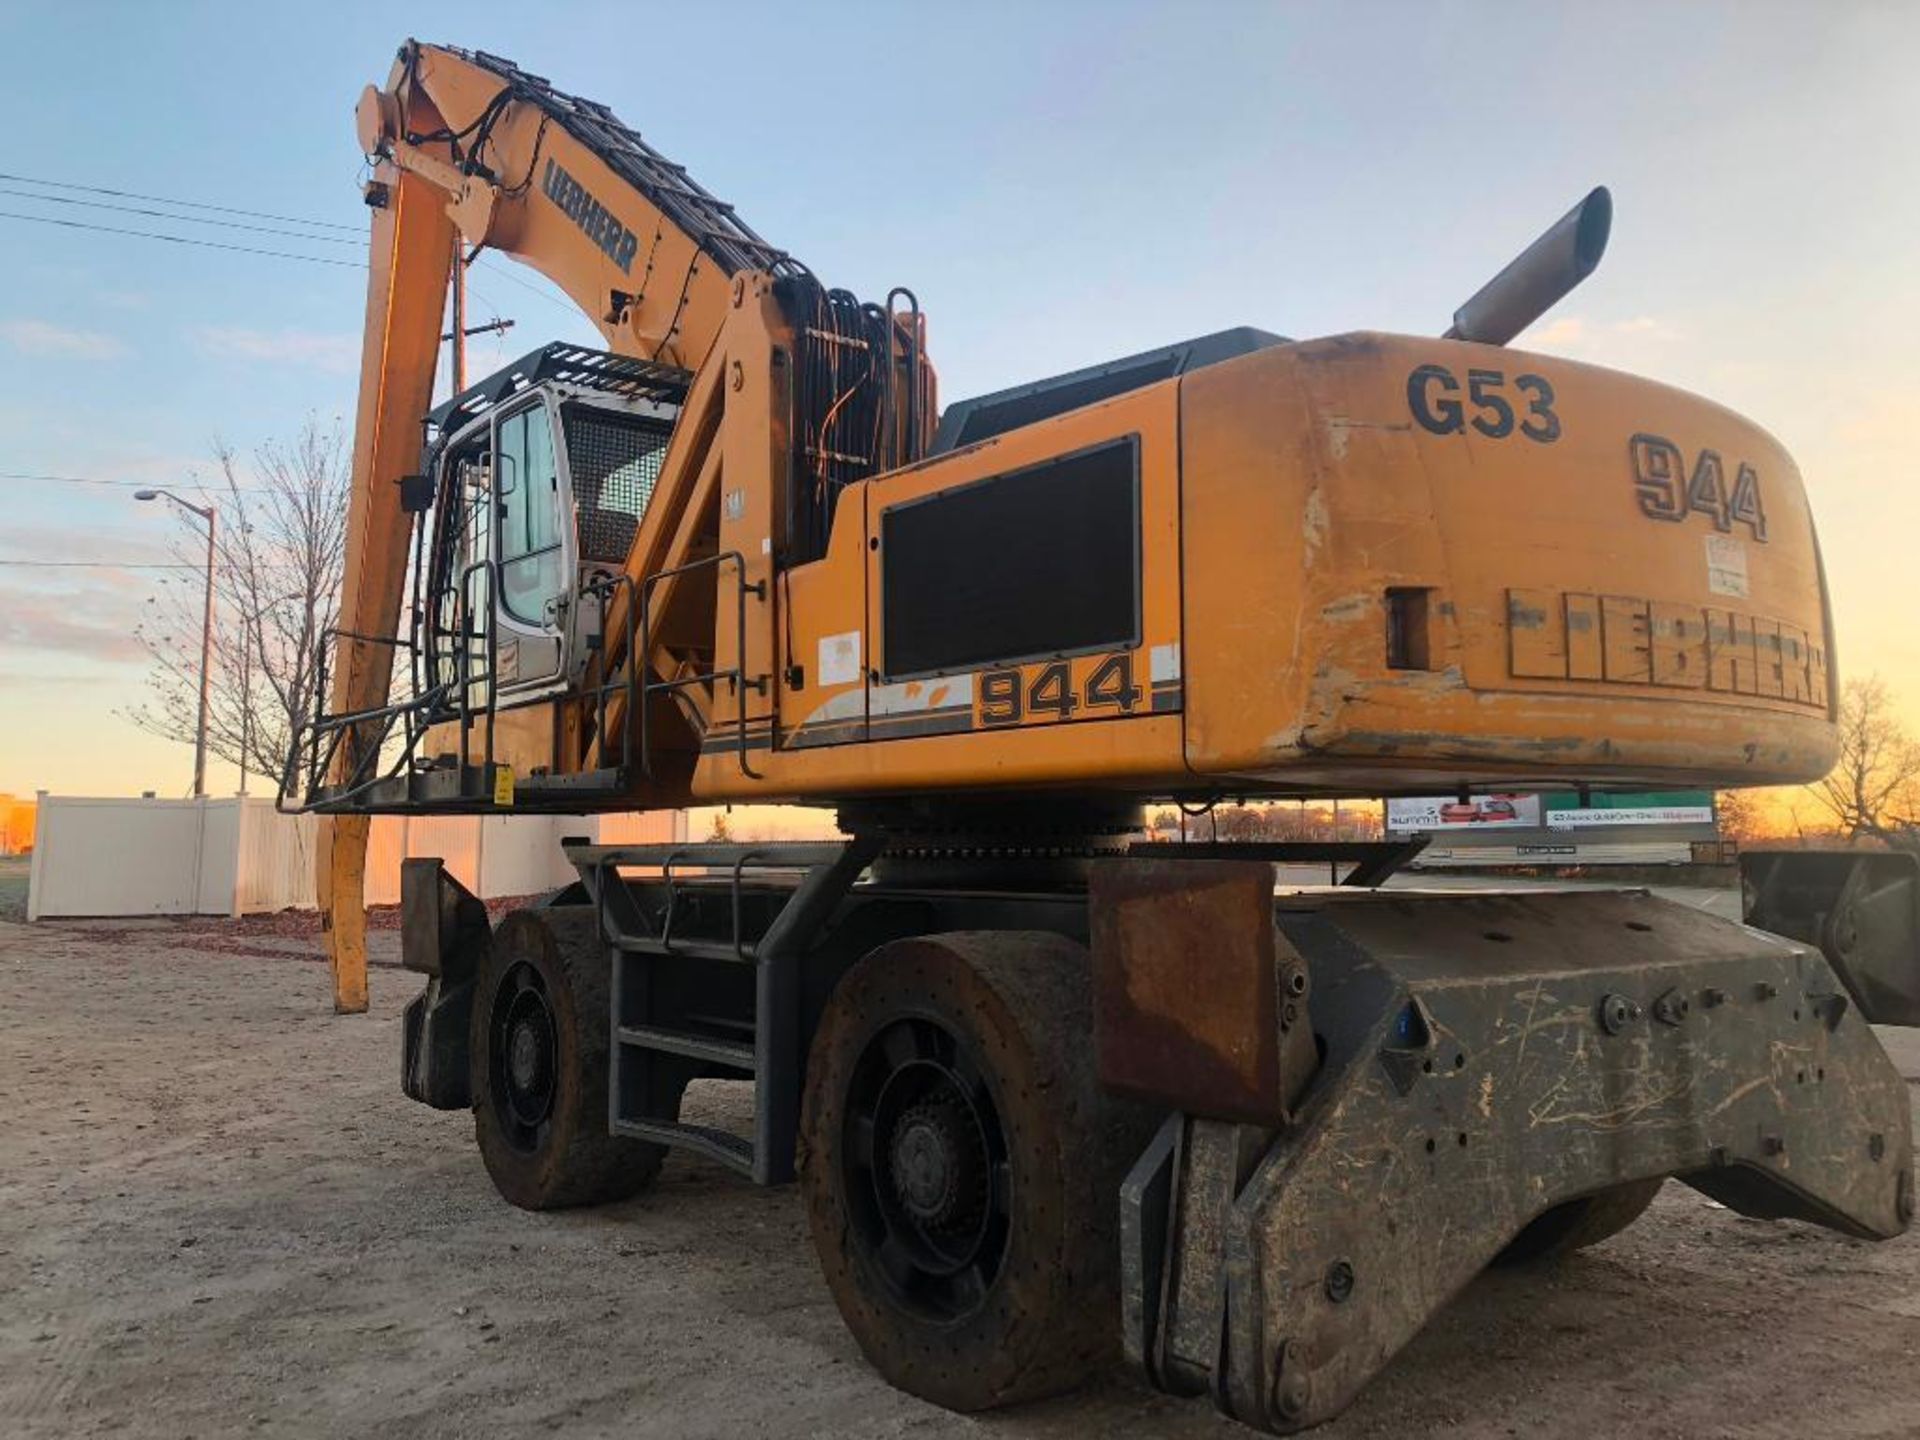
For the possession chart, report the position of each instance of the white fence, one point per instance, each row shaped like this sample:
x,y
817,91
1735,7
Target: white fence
x,y
237,856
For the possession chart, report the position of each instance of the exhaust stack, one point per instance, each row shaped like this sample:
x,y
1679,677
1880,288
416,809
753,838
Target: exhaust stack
x,y
1540,276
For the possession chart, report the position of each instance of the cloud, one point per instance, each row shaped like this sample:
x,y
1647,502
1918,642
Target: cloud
x,y
336,354
43,337
1564,332
84,612
1603,340
90,623
126,531
1647,327
23,680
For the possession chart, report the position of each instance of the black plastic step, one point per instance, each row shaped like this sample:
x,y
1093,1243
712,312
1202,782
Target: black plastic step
x,y
734,1151
730,1053
689,949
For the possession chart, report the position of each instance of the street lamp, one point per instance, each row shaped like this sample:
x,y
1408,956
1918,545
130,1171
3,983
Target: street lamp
x,y
206,513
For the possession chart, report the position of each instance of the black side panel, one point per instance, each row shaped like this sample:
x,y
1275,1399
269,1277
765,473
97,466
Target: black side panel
x,y
995,415
1028,565
967,422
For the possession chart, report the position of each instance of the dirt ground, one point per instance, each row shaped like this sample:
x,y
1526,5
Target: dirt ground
x,y
219,1217
14,870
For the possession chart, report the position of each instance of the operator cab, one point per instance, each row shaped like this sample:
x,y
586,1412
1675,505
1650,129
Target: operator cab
x,y
539,477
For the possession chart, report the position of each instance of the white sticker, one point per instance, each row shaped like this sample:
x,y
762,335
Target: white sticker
x,y
1726,566
840,658
736,504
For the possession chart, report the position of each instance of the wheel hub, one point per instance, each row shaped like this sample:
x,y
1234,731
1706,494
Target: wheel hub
x,y
523,1055
927,1173
526,1056
938,1165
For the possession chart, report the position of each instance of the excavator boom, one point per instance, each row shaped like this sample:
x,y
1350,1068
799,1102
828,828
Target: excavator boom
x,y
469,153
561,185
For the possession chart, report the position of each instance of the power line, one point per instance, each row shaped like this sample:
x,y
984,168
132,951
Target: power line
x,y
529,288
85,480
101,564
180,240
504,274
485,299
70,479
205,487
357,233
182,204
180,219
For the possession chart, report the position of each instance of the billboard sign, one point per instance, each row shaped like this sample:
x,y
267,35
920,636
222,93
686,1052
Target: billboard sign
x,y
1476,813
1575,818
1553,816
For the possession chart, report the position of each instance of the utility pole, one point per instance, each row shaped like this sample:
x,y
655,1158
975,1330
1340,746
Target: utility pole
x,y
461,332
210,516
459,318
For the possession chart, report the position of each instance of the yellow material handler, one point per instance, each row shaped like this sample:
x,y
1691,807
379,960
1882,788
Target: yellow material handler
x,y
1052,1092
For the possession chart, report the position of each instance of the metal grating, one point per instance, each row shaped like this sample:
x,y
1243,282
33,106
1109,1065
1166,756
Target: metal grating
x,y
571,365
615,460
711,222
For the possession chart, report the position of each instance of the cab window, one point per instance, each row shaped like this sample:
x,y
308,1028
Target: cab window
x,y
528,484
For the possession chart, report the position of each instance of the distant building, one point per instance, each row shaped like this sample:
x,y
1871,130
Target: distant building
x,y
1558,828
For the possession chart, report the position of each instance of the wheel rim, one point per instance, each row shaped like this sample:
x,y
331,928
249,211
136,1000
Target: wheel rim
x,y
522,1060
925,1168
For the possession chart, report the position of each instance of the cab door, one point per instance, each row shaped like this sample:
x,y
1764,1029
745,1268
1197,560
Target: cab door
x,y
533,565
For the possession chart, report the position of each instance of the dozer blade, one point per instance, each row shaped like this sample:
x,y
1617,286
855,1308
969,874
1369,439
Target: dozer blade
x,y
1487,1059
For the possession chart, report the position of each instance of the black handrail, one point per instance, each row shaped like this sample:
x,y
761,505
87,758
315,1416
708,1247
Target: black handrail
x,y
735,674
455,698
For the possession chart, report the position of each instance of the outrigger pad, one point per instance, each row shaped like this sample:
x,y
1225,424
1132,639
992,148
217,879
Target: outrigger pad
x,y
1489,1057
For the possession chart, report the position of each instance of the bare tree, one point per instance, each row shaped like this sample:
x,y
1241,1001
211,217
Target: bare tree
x,y
1738,815
277,568
1872,790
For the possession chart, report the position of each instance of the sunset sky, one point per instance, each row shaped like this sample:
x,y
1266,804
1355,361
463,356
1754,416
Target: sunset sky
x,y
1060,183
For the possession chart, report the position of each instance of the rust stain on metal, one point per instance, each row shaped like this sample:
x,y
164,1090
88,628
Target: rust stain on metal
x,y
1199,1003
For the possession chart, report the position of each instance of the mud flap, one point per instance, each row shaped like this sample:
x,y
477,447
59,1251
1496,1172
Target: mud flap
x,y
1486,1059
443,935
1861,907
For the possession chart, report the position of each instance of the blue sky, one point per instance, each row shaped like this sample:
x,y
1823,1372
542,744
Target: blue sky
x,y
1060,183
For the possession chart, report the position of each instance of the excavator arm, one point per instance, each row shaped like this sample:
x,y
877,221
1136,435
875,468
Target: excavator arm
x,y
469,153
411,249
561,185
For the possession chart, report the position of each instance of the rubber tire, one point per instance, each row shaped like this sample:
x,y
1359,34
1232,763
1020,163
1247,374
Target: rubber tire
x,y
1051,1317
578,1162
1580,1223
